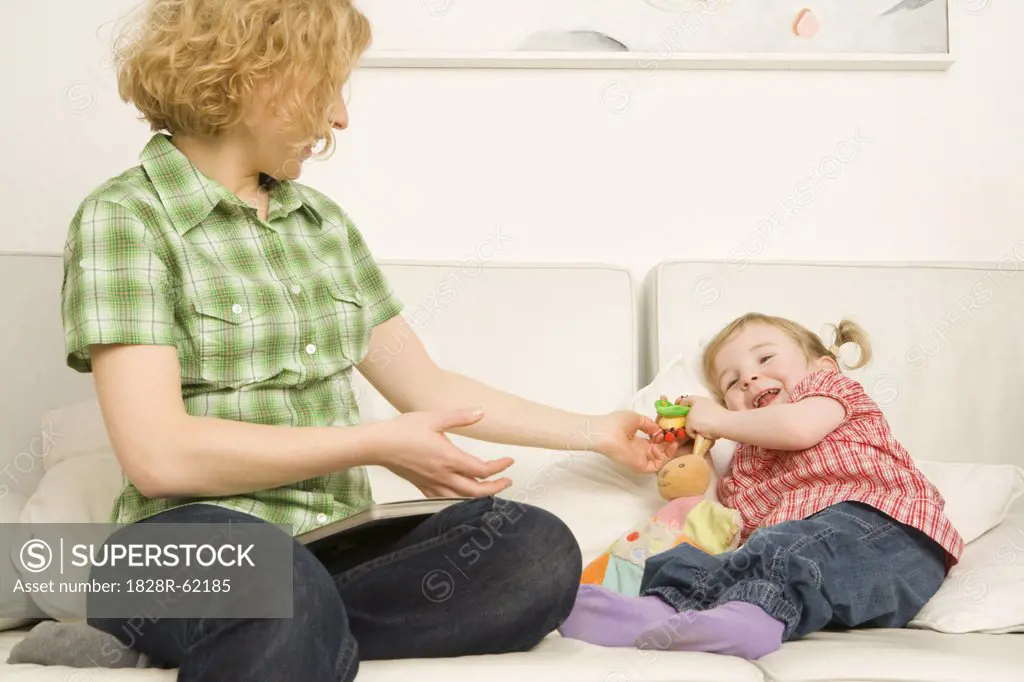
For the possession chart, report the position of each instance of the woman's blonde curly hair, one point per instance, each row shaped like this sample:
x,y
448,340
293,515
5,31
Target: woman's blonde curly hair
x,y
191,66
846,331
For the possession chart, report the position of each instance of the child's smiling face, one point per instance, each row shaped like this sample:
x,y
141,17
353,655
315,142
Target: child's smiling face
x,y
761,365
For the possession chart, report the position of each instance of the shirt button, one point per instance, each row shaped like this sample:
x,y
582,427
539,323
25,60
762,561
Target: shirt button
x,y
296,289
310,349
321,518
236,309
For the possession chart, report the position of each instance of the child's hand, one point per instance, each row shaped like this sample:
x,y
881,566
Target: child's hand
x,y
706,417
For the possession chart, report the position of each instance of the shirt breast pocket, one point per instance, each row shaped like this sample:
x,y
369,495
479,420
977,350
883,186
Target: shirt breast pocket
x,y
346,315
242,331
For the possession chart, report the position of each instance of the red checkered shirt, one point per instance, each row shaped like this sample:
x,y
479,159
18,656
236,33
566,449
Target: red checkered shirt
x,y
859,461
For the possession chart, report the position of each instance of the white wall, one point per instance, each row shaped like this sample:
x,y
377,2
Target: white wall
x,y
619,166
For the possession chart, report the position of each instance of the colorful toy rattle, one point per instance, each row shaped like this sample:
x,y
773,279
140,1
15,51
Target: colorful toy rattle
x,y
672,420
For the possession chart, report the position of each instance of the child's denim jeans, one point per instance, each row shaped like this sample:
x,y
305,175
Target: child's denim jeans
x,y
847,566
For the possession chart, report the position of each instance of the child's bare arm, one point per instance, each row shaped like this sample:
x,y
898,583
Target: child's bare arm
x,y
789,426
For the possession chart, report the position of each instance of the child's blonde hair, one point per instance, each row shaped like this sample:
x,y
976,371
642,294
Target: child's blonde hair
x,y
190,66
847,331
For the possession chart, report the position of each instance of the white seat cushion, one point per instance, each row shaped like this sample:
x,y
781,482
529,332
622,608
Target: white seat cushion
x,y
856,656
554,660
897,656
563,660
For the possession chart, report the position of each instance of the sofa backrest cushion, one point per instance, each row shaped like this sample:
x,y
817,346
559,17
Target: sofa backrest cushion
x,y
561,335
946,338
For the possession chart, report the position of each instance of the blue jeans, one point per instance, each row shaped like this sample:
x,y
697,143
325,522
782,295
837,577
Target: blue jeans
x,y
848,566
482,576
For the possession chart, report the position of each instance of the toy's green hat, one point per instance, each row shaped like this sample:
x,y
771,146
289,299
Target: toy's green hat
x,y
667,409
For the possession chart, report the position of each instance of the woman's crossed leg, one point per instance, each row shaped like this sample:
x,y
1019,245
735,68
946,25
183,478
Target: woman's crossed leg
x,y
482,576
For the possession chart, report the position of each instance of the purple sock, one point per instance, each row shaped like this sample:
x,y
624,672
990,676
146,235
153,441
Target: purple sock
x,y
734,628
601,616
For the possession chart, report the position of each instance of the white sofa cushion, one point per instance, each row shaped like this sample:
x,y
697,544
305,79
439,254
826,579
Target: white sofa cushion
x,y
985,591
886,655
518,327
78,489
554,660
561,335
945,337
978,496
563,660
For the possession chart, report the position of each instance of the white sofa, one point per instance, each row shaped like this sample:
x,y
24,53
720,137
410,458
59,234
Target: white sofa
x,y
587,338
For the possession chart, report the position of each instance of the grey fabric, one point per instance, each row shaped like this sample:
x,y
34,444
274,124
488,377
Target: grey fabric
x,y
76,645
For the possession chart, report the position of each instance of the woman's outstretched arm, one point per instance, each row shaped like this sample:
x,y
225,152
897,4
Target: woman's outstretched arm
x,y
410,380
166,452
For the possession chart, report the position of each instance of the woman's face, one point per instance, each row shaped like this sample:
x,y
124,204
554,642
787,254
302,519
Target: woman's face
x,y
277,149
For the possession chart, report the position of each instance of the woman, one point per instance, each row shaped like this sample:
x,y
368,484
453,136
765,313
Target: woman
x,y
222,308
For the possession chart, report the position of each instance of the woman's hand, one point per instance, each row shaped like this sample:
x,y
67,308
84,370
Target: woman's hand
x,y
616,437
417,449
672,449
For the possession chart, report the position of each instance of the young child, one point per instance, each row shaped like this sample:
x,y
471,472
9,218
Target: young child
x,y
840,529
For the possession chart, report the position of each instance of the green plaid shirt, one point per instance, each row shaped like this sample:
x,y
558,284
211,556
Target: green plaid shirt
x,y
268,318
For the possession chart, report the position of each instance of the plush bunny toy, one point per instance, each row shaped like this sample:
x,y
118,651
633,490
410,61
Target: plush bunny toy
x,y
688,516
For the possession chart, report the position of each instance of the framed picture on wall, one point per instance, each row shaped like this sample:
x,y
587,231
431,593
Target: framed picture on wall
x,y
646,34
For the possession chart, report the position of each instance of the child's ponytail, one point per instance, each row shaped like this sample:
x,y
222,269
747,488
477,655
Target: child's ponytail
x,y
848,331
